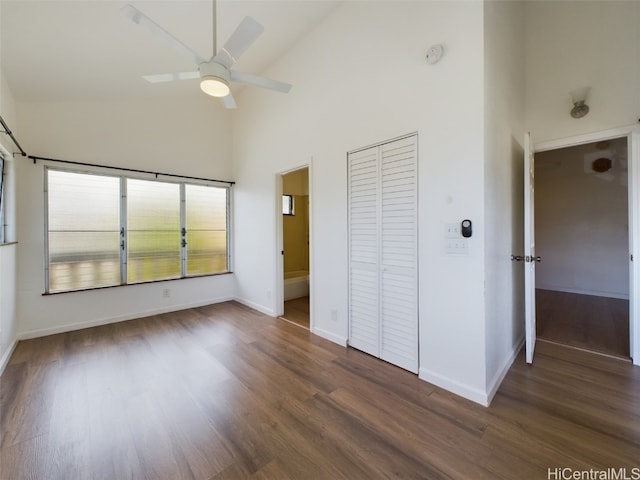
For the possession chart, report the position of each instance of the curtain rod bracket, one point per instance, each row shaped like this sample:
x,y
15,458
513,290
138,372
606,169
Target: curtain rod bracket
x,y
7,131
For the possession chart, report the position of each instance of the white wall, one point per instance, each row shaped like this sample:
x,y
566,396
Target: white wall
x,y
503,174
582,220
187,136
360,78
8,317
575,44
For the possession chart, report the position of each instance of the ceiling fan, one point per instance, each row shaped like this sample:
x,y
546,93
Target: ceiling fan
x,y
215,74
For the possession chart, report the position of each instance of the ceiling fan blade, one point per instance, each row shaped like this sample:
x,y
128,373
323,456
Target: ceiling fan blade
x,y
257,81
229,101
241,39
139,18
171,77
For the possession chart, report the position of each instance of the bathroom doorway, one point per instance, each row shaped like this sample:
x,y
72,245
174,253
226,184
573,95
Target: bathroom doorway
x,y
295,247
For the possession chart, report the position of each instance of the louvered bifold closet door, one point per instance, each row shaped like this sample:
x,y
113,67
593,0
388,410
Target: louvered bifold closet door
x,y
383,272
364,267
398,258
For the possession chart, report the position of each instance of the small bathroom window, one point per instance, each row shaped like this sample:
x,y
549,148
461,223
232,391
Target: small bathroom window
x,y
287,205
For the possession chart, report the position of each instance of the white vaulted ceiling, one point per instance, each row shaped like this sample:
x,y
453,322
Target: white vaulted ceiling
x,y
86,50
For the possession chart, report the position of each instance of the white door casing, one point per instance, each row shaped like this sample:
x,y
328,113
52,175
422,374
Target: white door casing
x,y
529,251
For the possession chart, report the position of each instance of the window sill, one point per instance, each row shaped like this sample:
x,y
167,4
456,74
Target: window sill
x,y
6,244
46,294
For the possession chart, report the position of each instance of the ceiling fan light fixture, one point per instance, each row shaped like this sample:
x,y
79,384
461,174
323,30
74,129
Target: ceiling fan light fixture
x,y
214,86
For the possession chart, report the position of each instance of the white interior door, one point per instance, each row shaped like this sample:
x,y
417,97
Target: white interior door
x,y
529,251
398,253
364,294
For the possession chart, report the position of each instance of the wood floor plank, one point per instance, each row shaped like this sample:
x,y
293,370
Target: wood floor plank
x,y
225,392
419,433
110,440
27,460
158,456
27,412
368,446
296,311
592,322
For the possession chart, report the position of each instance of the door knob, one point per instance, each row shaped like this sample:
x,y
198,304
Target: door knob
x,y
517,258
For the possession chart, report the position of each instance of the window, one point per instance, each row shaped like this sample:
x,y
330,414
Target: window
x,y
287,205
7,197
153,231
112,230
2,202
206,229
84,231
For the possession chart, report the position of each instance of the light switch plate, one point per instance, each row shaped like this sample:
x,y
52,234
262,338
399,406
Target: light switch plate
x,y
459,246
452,230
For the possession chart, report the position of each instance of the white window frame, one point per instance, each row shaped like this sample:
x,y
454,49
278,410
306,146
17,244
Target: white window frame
x,y
7,234
288,204
2,197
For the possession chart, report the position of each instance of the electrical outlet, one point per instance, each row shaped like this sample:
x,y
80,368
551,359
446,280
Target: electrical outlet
x,y
166,293
268,294
334,315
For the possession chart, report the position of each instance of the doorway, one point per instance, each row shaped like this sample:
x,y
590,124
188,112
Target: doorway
x,y
582,236
295,247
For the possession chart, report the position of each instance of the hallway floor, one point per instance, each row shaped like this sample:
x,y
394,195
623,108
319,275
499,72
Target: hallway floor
x,y
598,324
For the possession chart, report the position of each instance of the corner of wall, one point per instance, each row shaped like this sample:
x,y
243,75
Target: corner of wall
x,y
8,314
465,391
256,306
504,44
4,359
494,384
332,337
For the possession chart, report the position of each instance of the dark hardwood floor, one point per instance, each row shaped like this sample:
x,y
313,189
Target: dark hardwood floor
x,y
224,392
599,324
296,310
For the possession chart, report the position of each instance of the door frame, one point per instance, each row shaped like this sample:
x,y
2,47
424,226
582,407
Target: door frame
x,y
279,257
632,133
530,255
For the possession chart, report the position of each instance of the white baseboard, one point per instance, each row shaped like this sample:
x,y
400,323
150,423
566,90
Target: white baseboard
x,y
256,306
580,291
473,394
497,379
7,355
332,337
458,388
119,318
